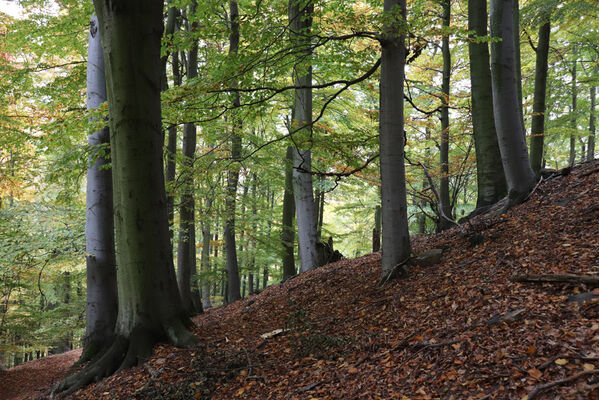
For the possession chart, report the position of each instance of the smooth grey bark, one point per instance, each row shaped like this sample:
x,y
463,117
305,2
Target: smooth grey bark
x,y
396,237
445,205
592,119
510,132
490,178
102,302
537,133
287,228
150,307
233,283
573,109
186,257
300,22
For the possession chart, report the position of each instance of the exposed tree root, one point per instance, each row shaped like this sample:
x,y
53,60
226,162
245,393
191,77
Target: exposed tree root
x,y
125,353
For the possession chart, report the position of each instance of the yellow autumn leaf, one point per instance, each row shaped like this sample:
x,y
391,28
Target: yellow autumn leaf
x,y
588,367
561,361
240,392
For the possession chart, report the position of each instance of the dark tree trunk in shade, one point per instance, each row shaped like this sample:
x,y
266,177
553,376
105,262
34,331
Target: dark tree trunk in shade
x,y
510,132
233,283
186,256
490,178
537,133
287,229
444,197
376,232
205,255
396,237
102,302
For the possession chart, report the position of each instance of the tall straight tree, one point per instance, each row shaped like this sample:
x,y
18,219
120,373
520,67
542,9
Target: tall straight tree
x,y
510,131
186,257
537,133
102,303
233,283
396,237
592,128
150,307
573,108
445,205
300,23
287,228
490,179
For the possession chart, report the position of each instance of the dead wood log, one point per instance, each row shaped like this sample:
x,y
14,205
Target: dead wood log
x,y
541,388
557,278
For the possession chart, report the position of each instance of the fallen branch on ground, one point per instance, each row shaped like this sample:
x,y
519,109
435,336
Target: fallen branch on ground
x,y
541,388
557,278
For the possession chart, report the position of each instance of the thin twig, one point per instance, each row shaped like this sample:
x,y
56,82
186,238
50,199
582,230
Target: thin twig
x,y
559,382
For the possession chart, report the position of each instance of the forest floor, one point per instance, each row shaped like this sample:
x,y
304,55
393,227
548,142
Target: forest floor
x,y
460,329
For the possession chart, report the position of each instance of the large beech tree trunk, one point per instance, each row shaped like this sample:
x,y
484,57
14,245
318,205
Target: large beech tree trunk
x,y
537,134
233,283
186,255
490,178
102,303
150,307
510,132
300,21
396,237
444,197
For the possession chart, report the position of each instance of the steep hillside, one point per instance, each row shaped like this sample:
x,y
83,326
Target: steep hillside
x,y
459,329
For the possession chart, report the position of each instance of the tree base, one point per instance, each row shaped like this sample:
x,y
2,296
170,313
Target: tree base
x,y
124,353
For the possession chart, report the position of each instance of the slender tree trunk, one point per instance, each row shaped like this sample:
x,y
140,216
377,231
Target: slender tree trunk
x,y
518,59
287,230
376,232
150,307
573,124
171,146
233,284
538,109
205,256
444,145
186,257
592,128
102,302
396,237
300,17
510,132
491,185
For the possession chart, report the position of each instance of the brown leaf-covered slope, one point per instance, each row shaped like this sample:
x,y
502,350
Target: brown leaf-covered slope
x,y
444,332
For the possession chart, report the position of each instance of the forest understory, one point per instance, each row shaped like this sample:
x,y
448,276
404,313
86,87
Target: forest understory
x,y
459,329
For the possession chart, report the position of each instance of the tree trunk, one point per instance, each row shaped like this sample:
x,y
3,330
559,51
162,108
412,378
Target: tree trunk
x,y
186,257
376,232
537,134
510,132
102,302
573,124
300,21
233,284
491,185
592,128
444,145
150,307
205,256
396,237
287,230
518,59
